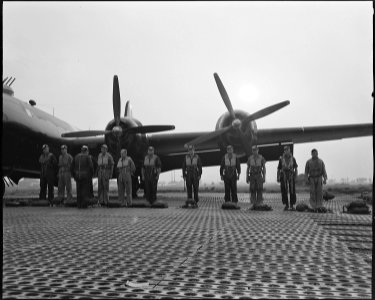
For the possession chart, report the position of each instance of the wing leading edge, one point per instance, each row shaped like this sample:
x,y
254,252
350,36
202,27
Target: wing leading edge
x,y
313,133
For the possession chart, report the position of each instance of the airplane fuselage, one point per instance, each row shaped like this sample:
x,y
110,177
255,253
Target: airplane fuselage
x,y
25,129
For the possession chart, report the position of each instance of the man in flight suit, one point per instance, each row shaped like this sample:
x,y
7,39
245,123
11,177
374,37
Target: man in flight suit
x,y
65,178
48,164
105,171
126,168
95,164
256,176
82,168
314,171
150,174
192,172
286,175
230,170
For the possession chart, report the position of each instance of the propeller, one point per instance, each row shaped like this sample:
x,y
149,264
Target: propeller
x,y
85,133
224,95
128,110
149,128
265,111
236,123
116,100
117,129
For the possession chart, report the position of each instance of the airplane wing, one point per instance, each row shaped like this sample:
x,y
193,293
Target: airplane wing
x,y
298,135
174,143
170,147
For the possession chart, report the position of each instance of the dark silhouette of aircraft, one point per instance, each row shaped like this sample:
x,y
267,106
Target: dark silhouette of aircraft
x,y
26,128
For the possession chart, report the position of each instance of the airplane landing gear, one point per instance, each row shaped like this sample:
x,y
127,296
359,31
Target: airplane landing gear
x,y
3,189
135,186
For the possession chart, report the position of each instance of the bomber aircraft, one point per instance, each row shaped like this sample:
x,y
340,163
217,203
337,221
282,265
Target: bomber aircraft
x,y
26,128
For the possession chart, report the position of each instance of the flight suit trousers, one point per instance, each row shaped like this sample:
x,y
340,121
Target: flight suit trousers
x,y
287,183
256,189
151,185
316,192
91,188
46,181
65,181
192,183
230,189
124,183
103,186
83,192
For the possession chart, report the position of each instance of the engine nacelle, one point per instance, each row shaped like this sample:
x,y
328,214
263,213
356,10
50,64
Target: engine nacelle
x,y
129,141
233,137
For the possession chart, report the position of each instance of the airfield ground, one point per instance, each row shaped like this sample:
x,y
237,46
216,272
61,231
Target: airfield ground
x,y
174,253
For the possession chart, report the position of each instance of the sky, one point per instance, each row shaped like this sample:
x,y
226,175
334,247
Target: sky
x,y
318,55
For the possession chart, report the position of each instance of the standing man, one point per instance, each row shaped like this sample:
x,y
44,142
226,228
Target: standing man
x,y
286,175
256,175
314,171
105,171
65,178
192,172
91,187
230,170
48,165
82,168
150,174
126,168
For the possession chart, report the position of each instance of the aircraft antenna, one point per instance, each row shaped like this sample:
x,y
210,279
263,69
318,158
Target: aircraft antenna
x,y
12,81
4,80
8,80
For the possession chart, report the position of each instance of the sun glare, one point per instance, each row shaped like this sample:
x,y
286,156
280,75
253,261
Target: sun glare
x,y
248,93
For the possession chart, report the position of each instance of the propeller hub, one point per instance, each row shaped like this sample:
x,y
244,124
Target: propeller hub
x,y
236,123
117,130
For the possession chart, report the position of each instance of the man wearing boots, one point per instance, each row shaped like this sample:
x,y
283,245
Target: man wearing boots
x,y
286,175
192,172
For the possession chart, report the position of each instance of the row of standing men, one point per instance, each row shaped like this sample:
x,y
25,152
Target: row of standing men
x,y
82,169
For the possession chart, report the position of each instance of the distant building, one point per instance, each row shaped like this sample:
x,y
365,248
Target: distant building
x,y
361,180
345,180
331,181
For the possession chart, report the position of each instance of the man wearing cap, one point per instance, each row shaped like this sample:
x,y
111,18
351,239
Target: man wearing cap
x,y
150,174
105,171
230,170
286,175
48,165
126,168
82,168
256,176
64,174
315,170
192,172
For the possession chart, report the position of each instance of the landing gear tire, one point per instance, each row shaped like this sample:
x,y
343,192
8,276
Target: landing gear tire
x,y
135,186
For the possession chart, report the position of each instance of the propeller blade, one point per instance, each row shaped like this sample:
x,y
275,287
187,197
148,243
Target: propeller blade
x,y
265,111
128,110
204,138
150,128
85,133
116,100
224,95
